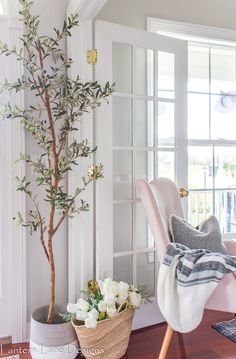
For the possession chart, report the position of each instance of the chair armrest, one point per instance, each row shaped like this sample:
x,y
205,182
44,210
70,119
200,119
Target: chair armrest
x,y
230,244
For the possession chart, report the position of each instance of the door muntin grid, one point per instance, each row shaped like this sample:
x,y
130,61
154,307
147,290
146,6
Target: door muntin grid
x,y
146,149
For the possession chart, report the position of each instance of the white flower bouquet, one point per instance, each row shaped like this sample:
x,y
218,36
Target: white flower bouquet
x,y
104,299
102,318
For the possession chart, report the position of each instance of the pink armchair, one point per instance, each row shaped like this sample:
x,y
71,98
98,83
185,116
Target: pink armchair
x,y
161,198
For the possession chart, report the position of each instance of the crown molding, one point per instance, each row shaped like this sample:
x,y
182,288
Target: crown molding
x,y
191,30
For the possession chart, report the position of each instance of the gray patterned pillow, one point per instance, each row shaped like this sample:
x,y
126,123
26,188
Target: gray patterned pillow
x,y
206,236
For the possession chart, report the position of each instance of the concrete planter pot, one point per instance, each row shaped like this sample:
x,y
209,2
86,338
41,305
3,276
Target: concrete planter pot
x,y
52,341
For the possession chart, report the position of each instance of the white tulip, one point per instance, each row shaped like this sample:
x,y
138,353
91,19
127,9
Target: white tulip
x,y
72,308
81,315
90,323
93,314
106,285
110,299
111,311
83,305
135,299
102,307
123,289
113,288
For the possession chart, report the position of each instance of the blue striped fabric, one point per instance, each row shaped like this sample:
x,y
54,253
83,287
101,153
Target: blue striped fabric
x,y
186,280
198,266
227,328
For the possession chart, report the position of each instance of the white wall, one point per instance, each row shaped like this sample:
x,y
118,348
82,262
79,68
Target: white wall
x,y
52,15
134,13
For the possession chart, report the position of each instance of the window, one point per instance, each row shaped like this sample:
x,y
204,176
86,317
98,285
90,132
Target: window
x,y
211,133
211,123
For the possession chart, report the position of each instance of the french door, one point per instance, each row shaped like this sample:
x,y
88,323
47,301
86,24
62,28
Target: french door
x,y
140,134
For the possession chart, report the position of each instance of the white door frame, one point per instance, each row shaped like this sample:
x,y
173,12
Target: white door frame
x,y
16,200
81,236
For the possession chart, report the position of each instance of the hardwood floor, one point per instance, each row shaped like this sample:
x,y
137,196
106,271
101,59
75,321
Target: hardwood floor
x,y
202,343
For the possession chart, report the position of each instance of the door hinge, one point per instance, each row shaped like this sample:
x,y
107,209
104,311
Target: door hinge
x,y
92,56
183,192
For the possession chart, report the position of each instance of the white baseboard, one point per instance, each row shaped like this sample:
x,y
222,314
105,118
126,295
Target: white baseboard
x,y
5,340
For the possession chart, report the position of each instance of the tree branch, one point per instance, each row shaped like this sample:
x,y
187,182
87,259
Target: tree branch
x,y
42,237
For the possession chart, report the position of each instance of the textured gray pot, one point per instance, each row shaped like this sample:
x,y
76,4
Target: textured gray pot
x,y
52,341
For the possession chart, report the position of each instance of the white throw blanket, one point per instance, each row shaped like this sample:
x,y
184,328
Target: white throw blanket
x,y
186,280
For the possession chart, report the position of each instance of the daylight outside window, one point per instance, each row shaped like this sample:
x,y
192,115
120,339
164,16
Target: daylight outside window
x,y
211,124
211,129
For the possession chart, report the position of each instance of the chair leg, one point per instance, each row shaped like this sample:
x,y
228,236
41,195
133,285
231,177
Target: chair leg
x,y
166,342
181,346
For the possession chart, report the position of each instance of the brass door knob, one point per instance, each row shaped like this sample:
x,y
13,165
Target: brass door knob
x,y
183,192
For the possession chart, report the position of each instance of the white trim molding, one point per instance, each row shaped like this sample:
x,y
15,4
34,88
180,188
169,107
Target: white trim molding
x,y
19,324
81,229
203,32
16,201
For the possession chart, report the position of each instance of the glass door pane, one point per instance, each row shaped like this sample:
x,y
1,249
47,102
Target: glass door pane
x,y
122,67
122,121
146,273
144,123
166,74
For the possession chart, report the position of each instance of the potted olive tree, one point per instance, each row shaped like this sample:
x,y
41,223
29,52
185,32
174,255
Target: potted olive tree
x,y
51,120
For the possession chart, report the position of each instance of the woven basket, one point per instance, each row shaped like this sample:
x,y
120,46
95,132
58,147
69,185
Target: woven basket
x,y
109,340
